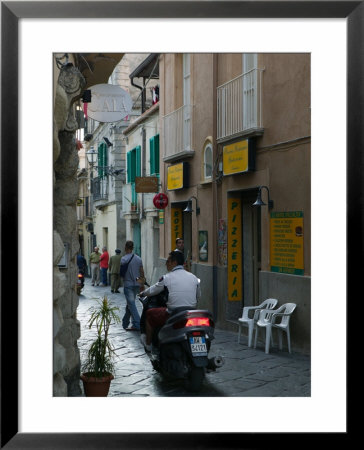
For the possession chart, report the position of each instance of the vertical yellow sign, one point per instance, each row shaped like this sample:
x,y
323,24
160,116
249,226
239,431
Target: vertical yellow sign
x,y
235,247
176,225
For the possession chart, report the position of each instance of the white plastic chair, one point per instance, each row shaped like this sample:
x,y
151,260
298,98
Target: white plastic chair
x,y
245,320
267,320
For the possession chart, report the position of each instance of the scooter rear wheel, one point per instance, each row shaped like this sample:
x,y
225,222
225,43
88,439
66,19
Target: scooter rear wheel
x,y
195,378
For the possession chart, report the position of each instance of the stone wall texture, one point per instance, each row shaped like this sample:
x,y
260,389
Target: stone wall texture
x,y
66,327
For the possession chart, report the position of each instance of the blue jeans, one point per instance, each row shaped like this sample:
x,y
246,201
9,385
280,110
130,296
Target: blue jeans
x,y
104,276
131,309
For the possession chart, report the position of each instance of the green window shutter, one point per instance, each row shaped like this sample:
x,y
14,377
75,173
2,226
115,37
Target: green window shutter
x,y
156,154
132,165
138,154
151,156
99,159
105,159
128,161
102,160
133,194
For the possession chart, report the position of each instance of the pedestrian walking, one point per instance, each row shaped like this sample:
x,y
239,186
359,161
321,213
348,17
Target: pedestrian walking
x,y
95,266
114,269
104,265
131,286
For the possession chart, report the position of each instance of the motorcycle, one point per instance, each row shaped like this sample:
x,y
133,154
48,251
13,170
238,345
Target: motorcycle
x,y
181,346
80,282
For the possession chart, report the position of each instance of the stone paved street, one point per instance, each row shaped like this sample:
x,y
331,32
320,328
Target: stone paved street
x,y
247,372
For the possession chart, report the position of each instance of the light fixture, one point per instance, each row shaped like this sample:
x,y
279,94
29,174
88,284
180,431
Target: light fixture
x,y
108,143
188,208
259,202
92,156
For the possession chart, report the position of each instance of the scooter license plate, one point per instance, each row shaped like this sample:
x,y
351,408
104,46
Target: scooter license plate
x,y
198,346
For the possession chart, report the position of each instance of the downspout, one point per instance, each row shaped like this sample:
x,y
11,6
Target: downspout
x,y
143,92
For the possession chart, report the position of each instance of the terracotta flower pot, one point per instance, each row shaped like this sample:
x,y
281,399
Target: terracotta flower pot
x,y
96,387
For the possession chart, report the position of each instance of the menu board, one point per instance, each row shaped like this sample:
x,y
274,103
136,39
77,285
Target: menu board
x,y
286,242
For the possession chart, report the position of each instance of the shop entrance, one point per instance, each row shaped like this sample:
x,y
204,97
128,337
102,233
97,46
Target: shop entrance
x,y
244,251
251,248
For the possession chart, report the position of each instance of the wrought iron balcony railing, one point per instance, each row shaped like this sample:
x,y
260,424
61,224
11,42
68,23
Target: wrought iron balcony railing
x,y
239,105
100,188
177,133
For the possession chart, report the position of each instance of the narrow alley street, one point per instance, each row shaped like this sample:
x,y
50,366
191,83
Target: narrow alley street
x,y
247,372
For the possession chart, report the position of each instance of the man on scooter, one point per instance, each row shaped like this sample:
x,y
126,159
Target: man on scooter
x,y
183,291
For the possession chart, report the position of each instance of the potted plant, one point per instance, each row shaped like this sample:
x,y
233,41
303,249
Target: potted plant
x,y
99,367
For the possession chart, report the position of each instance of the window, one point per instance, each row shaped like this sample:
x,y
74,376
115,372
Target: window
x,y
102,160
207,161
133,170
154,155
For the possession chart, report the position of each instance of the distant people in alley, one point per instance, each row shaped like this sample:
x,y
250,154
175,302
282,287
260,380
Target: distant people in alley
x,y
104,265
114,269
180,245
131,286
95,266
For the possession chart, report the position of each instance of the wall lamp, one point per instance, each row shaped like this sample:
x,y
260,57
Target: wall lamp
x,y
259,202
189,206
92,158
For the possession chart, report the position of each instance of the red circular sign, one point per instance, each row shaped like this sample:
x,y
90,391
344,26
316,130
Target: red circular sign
x,y
160,200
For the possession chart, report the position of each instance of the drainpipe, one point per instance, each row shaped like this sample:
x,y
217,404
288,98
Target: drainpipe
x,y
143,92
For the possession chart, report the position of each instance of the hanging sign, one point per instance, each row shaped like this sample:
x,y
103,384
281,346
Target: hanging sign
x,y
146,184
239,157
109,103
160,201
177,176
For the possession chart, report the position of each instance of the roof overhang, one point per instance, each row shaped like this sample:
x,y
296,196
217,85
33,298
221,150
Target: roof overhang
x,y
97,67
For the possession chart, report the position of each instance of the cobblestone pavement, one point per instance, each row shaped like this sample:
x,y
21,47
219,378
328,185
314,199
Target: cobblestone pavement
x,y
247,372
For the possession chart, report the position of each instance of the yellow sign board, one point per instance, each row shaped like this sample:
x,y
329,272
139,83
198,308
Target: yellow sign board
x,y
175,177
176,225
286,242
235,247
236,157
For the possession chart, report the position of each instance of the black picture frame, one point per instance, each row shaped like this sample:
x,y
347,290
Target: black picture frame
x,y
11,12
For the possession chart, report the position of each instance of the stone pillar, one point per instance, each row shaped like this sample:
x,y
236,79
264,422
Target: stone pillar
x,y
66,327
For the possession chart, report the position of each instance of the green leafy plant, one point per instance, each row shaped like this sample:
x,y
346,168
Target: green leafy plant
x,y
100,355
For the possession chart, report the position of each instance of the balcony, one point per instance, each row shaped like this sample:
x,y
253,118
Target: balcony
x,y
100,188
177,134
83,209
239,106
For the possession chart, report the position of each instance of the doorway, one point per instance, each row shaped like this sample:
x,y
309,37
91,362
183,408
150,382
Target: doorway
x,y
251,225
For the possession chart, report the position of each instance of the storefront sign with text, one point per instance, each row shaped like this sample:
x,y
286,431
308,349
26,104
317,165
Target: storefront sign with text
x,y
235,269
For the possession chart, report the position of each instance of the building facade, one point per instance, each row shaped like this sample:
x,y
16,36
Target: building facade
x,y
235,127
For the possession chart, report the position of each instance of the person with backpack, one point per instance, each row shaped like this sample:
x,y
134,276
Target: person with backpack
x,y
131,273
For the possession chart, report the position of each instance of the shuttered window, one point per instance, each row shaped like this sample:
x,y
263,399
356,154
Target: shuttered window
x,y
102,160
154,155
133,159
